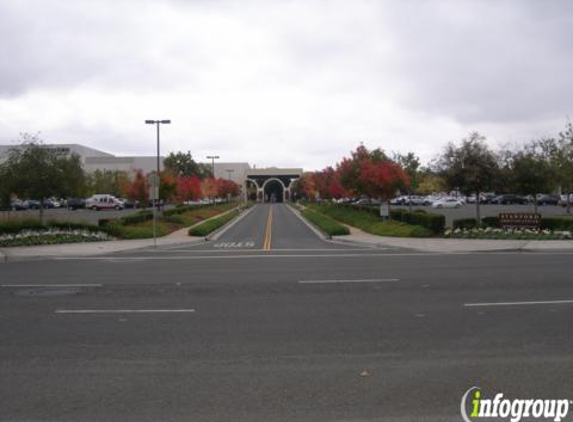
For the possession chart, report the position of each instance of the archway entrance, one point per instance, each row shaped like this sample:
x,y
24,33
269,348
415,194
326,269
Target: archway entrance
x,y
273,191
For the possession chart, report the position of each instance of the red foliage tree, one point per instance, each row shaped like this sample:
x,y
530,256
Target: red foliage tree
x,y
188,188
227,188
137,189
209,187
371,173
327,183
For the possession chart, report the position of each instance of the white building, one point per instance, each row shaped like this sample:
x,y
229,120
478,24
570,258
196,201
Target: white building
x,y
270,183
93,159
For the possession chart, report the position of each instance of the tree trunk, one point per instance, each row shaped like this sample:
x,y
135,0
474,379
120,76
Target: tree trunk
x,y
409,202
478,216
388,201
41,210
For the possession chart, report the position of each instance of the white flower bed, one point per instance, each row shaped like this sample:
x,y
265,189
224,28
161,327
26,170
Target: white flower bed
x,y
52,236
490,232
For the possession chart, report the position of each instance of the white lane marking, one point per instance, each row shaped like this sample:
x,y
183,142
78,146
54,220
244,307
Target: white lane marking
x,y
175,258
51,285
366,280
233,245
123,311
537,302
182,251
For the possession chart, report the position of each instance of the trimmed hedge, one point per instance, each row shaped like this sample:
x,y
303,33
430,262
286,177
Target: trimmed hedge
x,y
490,222
557,223
433,222
464,223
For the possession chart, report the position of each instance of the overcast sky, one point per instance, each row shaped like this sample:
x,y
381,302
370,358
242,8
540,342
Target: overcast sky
x,y
284,83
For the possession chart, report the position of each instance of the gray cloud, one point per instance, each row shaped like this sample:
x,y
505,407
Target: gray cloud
x,y
319,76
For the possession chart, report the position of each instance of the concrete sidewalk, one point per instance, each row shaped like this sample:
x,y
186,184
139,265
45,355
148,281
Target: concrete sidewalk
x,y
358,237
90,248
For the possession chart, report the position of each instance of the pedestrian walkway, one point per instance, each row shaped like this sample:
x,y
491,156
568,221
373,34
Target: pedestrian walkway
x,y
358,237
90,248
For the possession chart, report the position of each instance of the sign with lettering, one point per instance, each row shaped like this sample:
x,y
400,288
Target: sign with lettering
x,y
520,220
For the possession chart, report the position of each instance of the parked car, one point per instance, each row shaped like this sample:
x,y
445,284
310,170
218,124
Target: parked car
x,y
128,203
18,205
509,199
367,201
544,199
563,200
417,200
399,200
33,204
75,203
51,203
487,197
100,202
447,203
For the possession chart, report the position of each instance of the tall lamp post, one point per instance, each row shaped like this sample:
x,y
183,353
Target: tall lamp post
x,y
155,191
213,158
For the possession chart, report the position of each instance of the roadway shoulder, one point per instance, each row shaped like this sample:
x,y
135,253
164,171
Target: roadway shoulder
x,y
220,231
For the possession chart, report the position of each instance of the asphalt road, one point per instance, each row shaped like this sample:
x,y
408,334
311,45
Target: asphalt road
x,y
290,328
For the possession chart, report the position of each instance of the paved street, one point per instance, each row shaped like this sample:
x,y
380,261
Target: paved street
x,y
271,323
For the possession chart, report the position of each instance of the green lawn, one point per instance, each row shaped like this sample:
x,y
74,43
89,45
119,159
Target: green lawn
x,y
210,226
325,223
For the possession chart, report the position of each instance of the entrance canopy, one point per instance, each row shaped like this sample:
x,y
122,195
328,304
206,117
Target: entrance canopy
x,y
272,184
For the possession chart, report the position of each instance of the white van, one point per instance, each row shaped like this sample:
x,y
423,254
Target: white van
x,y
103,202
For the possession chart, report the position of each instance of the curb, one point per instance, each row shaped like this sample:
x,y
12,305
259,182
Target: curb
x,y
311,226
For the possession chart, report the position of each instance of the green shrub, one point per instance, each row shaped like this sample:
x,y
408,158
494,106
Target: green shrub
x,y
398,229
433,222
16,226
464,223
557,223
210,226
325,223
490,222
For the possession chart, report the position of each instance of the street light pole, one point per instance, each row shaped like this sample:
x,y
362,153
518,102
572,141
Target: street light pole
x,y
213,158
156,182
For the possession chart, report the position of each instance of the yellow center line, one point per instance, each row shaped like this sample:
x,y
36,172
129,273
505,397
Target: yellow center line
x,y
269,231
